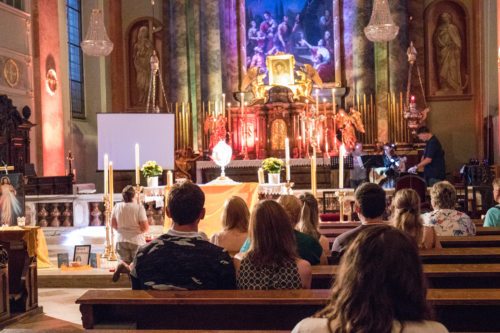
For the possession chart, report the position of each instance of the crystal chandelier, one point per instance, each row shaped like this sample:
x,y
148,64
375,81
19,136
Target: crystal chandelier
x,y
381,27
96,41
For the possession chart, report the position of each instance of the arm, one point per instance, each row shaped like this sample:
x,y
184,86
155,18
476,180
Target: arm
x,y
143,220
424,162
227,273
305,273
144,226
114,223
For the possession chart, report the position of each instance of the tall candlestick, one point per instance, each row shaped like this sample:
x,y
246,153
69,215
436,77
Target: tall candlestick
x,y
287,159
260,176
170,178
313,173
106,170
111,185
229,125
341,166
223,104
137,165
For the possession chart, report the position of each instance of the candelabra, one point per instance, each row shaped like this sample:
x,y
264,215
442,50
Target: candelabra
x,y
341,195
109,251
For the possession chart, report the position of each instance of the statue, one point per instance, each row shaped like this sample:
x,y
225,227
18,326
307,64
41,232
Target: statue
x,y
255,79
348,124
307,75
184,158
143,50
448,43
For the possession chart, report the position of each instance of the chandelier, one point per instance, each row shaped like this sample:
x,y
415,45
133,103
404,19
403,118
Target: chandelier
x,y
381,27
96,41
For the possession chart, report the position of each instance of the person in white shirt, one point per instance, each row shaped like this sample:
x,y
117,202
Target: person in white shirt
x,y
130,221
380,287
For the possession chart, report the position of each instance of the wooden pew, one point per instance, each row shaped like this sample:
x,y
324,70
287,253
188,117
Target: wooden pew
x,y
458,309
470,241
438,275
461,255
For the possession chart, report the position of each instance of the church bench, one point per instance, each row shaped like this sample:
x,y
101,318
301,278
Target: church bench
x,y
458,309
438,275
482,231
470,241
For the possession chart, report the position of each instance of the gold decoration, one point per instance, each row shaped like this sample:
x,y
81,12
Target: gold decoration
x,y
11,73
51,82
278,134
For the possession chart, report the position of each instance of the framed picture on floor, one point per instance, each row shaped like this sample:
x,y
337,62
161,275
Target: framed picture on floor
x,y
82,254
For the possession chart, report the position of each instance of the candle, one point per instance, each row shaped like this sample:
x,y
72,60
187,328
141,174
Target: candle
x,y
170,178
106,166
223,104
229,125
287,159
317,101
300,146
313,172
260,175
111,185
341,166
137,165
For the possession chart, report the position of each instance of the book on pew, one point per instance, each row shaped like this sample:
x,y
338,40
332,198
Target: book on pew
x,y
62,259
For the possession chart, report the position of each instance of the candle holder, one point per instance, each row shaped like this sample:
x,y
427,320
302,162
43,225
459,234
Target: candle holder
x,y
107,217
288,187
341,195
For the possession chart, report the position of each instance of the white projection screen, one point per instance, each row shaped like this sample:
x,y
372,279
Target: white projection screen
x,y
117,134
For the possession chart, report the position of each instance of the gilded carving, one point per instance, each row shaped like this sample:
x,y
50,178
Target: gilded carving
x,y
278,134
11,73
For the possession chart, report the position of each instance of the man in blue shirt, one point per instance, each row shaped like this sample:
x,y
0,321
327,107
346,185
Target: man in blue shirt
x,y
433,158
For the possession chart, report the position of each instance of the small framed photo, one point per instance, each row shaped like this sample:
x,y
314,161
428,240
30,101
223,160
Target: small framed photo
x,y
82,254
280,69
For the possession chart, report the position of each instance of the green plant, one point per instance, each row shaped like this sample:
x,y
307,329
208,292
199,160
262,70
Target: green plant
x,y
272,165
151,169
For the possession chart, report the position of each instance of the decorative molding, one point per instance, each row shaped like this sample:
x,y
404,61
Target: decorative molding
x,y
15,11
11,72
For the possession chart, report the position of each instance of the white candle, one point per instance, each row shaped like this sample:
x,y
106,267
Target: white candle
x,y
223,105
313,173
341,166
170,178
287,159
106,169
260,176
137,165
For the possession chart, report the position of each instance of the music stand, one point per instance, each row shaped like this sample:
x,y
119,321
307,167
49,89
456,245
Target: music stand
x,y
348,162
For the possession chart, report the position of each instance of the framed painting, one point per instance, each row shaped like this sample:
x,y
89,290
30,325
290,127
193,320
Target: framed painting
x,y
82,254
280,69
11,198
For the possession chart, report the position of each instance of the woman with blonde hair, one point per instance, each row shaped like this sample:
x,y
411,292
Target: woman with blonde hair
x,y
406,217
272,261
447,221
309,221
371,295
235,216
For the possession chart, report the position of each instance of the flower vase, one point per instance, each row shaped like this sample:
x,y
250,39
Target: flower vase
x,y
152,181
273,178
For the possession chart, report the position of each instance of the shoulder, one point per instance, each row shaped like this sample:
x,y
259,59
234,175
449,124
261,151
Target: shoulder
x,y
304,266
425,326
492,218
316,325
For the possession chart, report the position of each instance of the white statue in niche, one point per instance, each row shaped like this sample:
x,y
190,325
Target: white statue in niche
x,y
448,43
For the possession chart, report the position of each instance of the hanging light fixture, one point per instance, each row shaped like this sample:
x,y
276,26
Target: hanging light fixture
x,y
381,27
96,41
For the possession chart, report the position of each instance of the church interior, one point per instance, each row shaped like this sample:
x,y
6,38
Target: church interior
x,y
248,98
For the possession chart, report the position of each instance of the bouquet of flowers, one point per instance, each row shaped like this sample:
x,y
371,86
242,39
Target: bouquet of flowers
x,y
151,169
272,165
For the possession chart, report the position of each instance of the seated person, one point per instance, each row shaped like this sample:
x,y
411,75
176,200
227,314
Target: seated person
x,y
272,261
370,295
308,248
406,217
182,259
369,203
235,217
446,220
492,218
309,221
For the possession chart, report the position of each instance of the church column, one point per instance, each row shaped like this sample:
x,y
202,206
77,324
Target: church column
x,y
50,105
116,62
416,35
382,89
210,50
193,45
242,47
398,61
230,68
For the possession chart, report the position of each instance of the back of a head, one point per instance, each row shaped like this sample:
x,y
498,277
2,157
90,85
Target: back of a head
x,y
406,213
371,200
236,214
423,130
272,240
443,195
185,203
292,206
380,280
128,193
309,216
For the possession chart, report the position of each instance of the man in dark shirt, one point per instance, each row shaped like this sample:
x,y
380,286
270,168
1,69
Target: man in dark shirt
x,y
369,203
182,259
433,158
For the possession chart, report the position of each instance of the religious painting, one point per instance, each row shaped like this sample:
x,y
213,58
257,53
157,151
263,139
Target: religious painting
x,y
303,28
11,198
447,51
280,70
143,39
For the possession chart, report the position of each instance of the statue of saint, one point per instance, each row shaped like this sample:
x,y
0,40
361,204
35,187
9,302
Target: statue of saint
x,y
143,50
448,44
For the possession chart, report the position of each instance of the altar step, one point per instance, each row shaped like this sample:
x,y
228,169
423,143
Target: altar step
x,y
95,278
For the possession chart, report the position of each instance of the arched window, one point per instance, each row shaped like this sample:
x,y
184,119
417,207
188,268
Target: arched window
x,y
74,23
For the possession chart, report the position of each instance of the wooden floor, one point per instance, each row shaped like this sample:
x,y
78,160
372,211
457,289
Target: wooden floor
x,y
42,323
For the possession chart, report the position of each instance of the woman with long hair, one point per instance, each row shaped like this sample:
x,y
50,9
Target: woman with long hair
x,y
406,217
272,261
380,287
309,221
235,216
